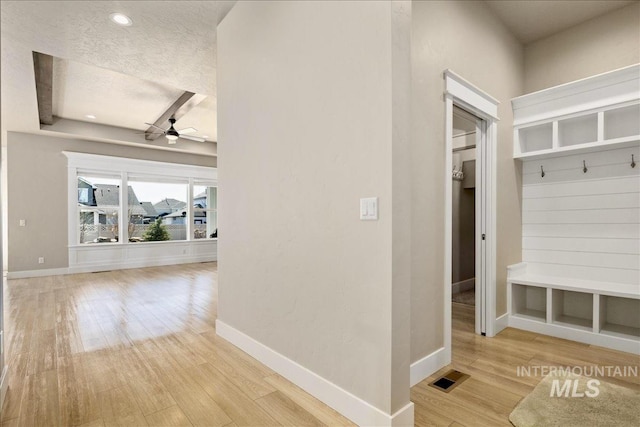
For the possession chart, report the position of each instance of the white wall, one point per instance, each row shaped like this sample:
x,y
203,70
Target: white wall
x,y
466,37
313,109
599,45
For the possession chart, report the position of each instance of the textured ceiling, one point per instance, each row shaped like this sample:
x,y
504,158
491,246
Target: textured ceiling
x,y
171,46
533,20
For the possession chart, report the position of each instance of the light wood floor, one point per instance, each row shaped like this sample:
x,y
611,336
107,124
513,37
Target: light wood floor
x,y
494,389
138,347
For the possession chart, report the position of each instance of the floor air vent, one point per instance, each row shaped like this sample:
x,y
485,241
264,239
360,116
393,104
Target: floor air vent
x,y
449,381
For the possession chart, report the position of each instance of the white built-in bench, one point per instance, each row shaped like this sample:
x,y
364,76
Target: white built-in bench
x,y
600,313
580,275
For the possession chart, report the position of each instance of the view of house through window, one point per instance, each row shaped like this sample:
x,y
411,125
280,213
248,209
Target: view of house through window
x,y
98,208
205,221
156,211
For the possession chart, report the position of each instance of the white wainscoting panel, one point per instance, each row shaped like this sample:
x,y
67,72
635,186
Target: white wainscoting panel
x,y
583,224
105,256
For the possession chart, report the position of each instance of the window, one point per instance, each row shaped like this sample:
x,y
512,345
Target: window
x,y
98,207
157,210
163,202
205,218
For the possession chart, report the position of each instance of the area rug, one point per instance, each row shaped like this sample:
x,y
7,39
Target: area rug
x,y
563,400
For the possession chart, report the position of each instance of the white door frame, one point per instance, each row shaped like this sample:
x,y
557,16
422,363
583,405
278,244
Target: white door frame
x,y
461,93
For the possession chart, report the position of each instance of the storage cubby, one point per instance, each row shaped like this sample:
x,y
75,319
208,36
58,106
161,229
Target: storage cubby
x,y
592,114
536,138
620,316
622,122
578,130
573,309
529,302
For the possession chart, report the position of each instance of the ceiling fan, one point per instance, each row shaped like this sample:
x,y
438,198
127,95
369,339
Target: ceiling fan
x,y
172,134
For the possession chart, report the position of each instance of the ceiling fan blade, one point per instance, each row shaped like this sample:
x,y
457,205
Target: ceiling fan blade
x,y
187,130
192,138
149,133
157,127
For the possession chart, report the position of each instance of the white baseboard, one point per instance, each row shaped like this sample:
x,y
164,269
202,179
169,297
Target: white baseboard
x,y
4,384
429,364
37,273
94,268
569,333
352,407
500,323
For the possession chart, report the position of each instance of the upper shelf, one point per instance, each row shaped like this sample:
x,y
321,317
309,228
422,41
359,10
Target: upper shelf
x,y
586,115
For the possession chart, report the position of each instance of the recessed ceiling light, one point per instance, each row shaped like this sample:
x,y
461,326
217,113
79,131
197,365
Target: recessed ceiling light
x,y
121,19
90,116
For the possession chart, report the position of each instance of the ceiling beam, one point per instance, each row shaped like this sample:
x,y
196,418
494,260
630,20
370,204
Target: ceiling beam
x,y
186,102
43,67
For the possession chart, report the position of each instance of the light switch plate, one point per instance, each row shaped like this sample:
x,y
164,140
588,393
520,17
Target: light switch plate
x,y
369,209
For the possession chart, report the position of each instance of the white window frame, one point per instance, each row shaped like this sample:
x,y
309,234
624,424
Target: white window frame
x,y
124,254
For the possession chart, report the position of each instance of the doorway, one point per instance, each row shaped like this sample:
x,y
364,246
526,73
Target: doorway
x,y
481,109
463,222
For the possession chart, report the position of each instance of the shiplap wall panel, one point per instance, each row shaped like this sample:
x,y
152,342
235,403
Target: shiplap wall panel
x,y
597,201
606,231
583,225
581,244
581,272
587,216
583,258
585,187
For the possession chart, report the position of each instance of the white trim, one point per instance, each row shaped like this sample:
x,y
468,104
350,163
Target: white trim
x,y
613,87
37,273
501,323
573,334
4,385
403,417
139,167
155,262
472,98
352,407
460,92
85,258
428,365
480,245
491,162
448,221
120,265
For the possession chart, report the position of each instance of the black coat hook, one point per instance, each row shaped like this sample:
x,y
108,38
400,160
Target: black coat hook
x,y
584,166
633,162
541,172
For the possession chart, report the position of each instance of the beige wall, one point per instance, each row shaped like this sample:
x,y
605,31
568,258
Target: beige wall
x,y
602,44
467,38
37,192
313,111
